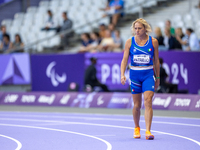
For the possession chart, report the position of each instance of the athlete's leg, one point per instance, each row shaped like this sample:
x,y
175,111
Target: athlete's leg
x,y
136,90
137,100
148,95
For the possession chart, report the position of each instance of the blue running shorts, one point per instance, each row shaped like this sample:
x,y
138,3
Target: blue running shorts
x,y
142,80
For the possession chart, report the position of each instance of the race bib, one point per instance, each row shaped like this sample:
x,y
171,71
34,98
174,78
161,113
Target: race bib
x,y
141,59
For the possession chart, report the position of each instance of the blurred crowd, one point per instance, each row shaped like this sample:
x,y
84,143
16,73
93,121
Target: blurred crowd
x,y
108,37
175,39
8,46
65,24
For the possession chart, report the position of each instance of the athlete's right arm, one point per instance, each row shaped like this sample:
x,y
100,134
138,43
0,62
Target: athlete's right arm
x,y
125,60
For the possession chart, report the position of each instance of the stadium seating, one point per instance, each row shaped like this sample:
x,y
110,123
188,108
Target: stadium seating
x,y
29,24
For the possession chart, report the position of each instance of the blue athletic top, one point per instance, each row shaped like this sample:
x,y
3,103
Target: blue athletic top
x,y
141,55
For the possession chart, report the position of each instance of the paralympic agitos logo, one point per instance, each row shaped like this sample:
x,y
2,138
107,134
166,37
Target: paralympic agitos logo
x,y
55,78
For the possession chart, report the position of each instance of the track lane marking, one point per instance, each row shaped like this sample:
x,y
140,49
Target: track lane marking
x,y
109,146
39,114
105,125
128,120
19,145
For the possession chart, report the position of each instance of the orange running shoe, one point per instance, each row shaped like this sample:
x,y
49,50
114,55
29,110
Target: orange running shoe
x,y
137,133
148,135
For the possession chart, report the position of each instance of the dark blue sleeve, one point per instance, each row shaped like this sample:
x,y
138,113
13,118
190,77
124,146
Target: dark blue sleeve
x,y
99,41
90,41
83,43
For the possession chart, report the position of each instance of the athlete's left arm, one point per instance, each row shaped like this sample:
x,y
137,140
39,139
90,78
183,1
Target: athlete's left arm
x,y
156,62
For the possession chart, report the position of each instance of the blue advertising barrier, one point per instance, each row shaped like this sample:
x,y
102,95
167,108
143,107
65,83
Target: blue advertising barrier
x,y
15,69
182,69
56,72
121,100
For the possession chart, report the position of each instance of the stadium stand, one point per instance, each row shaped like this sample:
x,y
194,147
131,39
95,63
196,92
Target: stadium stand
x,y
88,18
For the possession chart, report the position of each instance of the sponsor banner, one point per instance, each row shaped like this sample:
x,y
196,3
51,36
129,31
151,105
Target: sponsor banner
x,y
15,69
195,105
82,100
162,101
182,69
180,66
10,98
38,98
65,99
99,100
108,69
56,72
120,100
182,102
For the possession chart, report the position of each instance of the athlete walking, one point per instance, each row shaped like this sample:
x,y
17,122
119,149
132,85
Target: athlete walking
x,y
143,51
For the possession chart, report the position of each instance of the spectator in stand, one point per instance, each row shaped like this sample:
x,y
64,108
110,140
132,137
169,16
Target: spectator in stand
x,y
193,41
159,36
113,9
169,40
91,78
102,30
85,41
6,45
96,41
111,27
198,5
2,32
67,25
117,47
181,38
168,25
50,23
17,44
107,42
93,43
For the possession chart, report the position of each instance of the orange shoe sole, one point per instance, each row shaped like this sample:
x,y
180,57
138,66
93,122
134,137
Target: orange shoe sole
x,y
136,137
149,137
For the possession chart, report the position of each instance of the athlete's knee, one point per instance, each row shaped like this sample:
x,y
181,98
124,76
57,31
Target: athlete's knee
x,y
148,102
137,106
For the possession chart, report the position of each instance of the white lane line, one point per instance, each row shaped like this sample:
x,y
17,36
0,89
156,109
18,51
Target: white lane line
x,y
104,135
82,114
109,146
105,125
49,124
128,120
173,123
19,145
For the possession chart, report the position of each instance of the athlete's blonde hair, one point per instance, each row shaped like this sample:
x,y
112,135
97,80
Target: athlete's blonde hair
x,y
144,23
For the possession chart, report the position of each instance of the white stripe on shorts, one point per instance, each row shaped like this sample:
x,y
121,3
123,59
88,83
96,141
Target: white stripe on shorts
x,y
141,68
